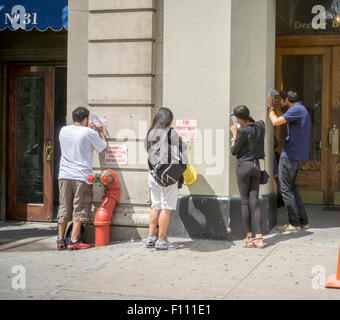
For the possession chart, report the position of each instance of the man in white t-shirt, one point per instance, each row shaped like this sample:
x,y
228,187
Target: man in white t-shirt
x,y
77,142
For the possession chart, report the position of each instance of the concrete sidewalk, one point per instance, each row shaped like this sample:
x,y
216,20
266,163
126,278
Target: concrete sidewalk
x,y
291,266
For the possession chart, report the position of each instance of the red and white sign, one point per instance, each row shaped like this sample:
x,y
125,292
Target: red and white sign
x,y
116,154
186,128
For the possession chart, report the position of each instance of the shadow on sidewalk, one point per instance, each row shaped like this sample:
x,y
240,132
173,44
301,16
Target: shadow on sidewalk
x,y
205,245
283,236
12,235
34,245
11,223
320,216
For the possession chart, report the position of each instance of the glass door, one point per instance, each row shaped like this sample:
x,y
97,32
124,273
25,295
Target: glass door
x,y
333,134
308,71
30,142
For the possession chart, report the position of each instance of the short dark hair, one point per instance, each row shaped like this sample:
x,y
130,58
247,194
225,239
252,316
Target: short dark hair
x,y
289,93
79,114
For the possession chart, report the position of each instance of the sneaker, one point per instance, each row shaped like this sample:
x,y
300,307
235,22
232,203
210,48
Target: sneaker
x,y
78,245
165,245
305,226
288,227
61,244
150,242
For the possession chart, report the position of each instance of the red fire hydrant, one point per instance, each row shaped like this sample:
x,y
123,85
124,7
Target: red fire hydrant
x,y
110,199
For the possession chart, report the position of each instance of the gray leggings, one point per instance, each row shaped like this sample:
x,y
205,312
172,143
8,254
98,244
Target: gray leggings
x,y
248,180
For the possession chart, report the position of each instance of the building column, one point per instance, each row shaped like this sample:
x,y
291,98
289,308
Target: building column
x,y
218,54
252,75
112,63
77,55
252,69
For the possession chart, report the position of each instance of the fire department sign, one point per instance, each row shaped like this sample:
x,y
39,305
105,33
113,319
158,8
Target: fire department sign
x,y
186,128
116,154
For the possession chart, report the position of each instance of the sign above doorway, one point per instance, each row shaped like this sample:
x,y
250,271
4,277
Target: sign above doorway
x,y
297,17
39,14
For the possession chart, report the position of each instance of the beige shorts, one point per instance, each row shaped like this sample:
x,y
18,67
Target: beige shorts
x,y
75,199
162,198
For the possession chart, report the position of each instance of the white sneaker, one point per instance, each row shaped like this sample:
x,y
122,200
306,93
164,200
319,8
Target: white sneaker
x,y
166,245
150,242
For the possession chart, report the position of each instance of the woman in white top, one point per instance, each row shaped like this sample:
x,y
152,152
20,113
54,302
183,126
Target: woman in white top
x,y
163,199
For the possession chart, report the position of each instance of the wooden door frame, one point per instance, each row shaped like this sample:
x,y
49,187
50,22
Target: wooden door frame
x,y
326,52
335,105
308,41
28,212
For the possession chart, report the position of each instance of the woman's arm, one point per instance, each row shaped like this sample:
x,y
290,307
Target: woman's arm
x,y
239,142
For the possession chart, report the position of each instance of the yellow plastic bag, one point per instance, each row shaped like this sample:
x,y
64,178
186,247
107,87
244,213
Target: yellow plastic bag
x,y
190,175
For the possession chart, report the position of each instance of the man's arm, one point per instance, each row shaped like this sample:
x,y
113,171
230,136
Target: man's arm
x,y
101,134
96,145
275,120
99,129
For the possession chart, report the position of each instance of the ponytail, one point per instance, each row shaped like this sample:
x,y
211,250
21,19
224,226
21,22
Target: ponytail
x,y
242,112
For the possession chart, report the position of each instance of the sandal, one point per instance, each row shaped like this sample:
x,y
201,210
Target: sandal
x,y
248,242
258,245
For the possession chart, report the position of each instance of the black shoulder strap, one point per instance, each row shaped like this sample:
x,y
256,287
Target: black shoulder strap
x,y
169,136
169,147
179,146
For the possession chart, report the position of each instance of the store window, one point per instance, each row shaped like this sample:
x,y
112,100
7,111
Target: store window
x,y
307,17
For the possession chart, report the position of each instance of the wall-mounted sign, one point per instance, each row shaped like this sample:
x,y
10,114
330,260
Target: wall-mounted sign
x,y
334,24
116,154
307,17
186,128
39,14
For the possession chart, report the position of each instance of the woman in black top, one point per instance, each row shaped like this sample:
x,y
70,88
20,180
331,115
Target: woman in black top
x,y
248,147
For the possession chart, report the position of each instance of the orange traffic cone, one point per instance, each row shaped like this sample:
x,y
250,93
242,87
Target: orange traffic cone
x,y
333,280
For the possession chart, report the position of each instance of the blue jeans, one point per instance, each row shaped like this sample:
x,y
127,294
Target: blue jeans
x,y
288,171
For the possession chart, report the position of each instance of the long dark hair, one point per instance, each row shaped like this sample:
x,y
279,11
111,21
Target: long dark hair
x,y
242,112
161,121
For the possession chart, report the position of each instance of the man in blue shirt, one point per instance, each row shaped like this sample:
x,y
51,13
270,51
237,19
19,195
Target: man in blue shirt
x,y
295,151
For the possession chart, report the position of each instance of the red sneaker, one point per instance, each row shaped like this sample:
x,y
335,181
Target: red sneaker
x,y
78,245
61,244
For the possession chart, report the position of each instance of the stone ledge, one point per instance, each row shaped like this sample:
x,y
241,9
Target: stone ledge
x,y
204,217
121,5
121,25
217,218
121,90
117,233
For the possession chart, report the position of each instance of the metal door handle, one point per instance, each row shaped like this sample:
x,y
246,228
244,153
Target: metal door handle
x,y
330,135
335,142
49,150
318,145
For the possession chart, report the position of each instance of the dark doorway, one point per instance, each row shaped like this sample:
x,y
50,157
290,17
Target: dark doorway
x,y
36,112
60,113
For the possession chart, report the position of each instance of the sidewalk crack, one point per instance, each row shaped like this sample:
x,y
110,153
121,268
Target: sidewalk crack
x,y
251,271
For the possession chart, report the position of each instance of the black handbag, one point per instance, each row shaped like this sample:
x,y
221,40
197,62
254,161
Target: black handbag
x,y
264,174
264,177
